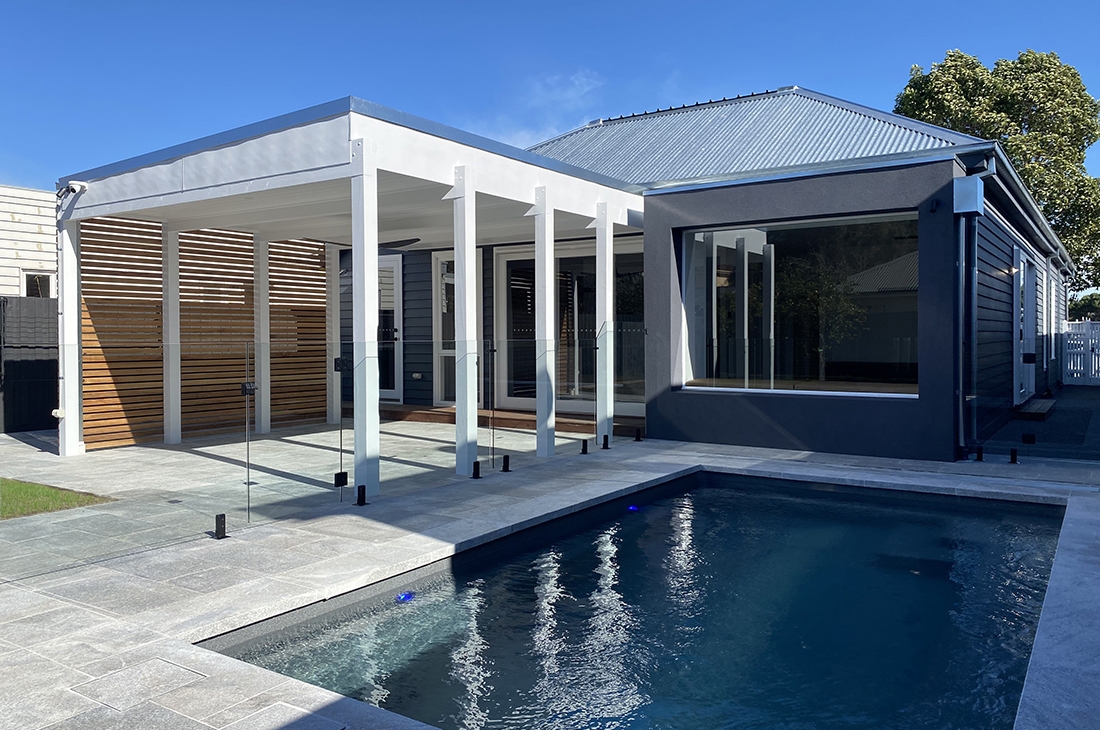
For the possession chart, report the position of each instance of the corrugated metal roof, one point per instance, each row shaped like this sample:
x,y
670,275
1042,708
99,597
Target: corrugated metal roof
x,y
787,128
898,275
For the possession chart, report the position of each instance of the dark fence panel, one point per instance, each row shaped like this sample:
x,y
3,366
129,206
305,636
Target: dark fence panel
x,y
28,363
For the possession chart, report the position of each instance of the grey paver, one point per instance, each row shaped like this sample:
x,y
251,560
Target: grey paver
x,y
282,715
52,624
134,685
145,716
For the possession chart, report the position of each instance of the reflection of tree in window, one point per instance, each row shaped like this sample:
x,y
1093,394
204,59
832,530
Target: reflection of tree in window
x,y
841,293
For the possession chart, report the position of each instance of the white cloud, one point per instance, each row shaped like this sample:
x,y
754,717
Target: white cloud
x,y
545,107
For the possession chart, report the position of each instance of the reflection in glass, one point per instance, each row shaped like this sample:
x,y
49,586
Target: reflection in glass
x,y
575,328
803,307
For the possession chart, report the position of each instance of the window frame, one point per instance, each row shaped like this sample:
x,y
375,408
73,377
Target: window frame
x,y
682,358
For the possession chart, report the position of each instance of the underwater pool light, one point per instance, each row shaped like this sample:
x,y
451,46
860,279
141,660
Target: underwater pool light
x,y
633,508
405,597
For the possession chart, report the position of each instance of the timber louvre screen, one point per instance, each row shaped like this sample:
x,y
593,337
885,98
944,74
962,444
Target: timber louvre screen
x,y
122,358
217,329
299,355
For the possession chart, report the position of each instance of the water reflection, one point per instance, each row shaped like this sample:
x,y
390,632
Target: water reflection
x,y
612,690
468,665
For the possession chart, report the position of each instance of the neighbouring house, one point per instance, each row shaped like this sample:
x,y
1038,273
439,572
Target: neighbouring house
x,y
28,309
785,269
28,242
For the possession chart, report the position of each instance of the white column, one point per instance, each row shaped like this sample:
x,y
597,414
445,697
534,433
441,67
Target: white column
x,y
741,324
466,345
69,428
332,328
262,350
170,336
545,311
605,324
769,313
364,239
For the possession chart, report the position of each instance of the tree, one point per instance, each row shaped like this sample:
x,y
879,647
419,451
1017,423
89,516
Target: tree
x,y
1085,307
1040,111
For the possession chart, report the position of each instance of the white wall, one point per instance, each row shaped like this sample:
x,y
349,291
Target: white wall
x,y
28,238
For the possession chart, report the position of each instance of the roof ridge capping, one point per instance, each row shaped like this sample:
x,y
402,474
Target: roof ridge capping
x,y
913,125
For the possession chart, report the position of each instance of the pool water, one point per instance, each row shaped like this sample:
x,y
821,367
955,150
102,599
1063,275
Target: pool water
x,y
721,603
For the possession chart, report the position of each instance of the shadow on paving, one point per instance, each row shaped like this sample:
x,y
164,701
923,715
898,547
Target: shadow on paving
x,y
171,493
1071,431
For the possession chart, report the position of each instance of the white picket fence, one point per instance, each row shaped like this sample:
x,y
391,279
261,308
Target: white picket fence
x,y
1081,350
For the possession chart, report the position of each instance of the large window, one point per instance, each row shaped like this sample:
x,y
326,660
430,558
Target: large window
x,y
820,306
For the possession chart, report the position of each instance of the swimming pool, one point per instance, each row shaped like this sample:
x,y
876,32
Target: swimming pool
x,y
711,602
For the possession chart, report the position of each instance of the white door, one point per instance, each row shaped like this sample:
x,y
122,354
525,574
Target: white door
x,y
391,374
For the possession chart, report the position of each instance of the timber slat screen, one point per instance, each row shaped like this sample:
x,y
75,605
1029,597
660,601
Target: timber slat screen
x,y
122,357
217,329
299,357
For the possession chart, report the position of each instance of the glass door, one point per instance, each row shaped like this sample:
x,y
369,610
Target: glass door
x,y
390,360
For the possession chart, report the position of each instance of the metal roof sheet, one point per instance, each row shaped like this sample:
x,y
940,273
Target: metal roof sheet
x,y
779,129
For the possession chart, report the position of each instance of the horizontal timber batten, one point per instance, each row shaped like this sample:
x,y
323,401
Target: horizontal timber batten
x,y
121,329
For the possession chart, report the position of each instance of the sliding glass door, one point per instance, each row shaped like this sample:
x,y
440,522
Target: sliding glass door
x,y
575,330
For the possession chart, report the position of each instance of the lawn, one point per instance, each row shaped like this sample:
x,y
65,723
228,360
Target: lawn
x,y
18,499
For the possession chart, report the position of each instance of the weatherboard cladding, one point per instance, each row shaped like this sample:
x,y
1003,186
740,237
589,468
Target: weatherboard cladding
x,y
786,128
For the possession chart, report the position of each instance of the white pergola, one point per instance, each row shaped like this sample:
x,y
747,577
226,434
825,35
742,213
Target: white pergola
x,y
355,173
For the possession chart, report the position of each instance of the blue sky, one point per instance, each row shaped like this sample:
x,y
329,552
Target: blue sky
x,y
88,83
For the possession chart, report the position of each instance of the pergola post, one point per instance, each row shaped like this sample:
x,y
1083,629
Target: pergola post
x,y
262,313
332,329
545,306
741,324
69,431
605,324
769,314
364,266
466,346
170,336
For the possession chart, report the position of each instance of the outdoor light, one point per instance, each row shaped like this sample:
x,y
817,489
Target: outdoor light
x,y
633,508
405,597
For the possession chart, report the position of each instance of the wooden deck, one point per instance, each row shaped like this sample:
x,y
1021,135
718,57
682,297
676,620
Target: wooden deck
x,y
576,423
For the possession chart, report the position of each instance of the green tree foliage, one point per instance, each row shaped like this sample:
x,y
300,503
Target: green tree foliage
x,y
1040,111
1085,307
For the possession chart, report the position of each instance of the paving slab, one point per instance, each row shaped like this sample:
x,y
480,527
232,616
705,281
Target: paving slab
x,y
134,685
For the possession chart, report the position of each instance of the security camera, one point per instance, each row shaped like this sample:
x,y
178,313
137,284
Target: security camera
x,y
76,187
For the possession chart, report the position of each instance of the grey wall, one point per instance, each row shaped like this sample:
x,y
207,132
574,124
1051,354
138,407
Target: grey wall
x,y
28,363
995,325
909,428
417,334
417,326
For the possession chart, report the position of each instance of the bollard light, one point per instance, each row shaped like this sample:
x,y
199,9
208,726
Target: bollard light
x,y
1013,458
637,434
361,495
605,442
506,464
584,446
477,470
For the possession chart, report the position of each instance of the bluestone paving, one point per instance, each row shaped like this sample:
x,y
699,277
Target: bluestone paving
x,y
133,685
156,601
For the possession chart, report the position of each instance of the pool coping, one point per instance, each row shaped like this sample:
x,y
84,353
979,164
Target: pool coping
x,y
1059,690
